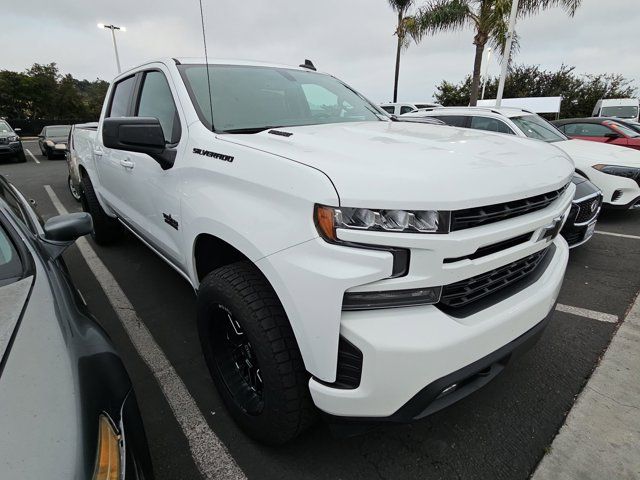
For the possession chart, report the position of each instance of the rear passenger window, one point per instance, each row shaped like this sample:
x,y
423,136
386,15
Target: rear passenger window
x,y
490,125
406,109
156,101
121,98
453,120
389,109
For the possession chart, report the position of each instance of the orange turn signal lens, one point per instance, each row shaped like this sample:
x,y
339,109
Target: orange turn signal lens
x,y
108,465
324,222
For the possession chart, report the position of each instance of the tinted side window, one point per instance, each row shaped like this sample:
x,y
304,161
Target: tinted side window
x,y
389,109
586,129
453,120
406,109
489,124
156,101
121,97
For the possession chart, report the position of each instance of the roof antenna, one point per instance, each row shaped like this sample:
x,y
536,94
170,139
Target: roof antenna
x,y
206,60
308,64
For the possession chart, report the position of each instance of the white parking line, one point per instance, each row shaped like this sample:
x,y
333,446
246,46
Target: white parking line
x,y
583,312
621,235
33,157
209,453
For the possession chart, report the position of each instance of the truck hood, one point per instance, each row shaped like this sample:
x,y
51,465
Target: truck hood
x,y
586,154
419,166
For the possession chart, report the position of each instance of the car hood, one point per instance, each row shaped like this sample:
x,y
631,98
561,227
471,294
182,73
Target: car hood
x,y
62,139
586,154
419,166
8,134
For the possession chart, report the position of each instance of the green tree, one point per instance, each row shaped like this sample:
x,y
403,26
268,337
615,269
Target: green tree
x,y
401,7
488,18
42,87
579,92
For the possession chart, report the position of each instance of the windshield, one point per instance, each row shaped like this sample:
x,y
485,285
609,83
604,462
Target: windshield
x,y
621,112
626,131
62,131
534,126
248,99
4,127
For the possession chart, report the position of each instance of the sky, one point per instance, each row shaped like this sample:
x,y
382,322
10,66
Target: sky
x,y
351,39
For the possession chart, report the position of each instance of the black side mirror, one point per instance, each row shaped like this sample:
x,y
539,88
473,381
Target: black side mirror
x,y
138,134
612,136
68,228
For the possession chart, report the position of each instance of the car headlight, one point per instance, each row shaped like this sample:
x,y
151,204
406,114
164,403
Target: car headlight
x,y
14,138
49,143
619,171
329,219
108,463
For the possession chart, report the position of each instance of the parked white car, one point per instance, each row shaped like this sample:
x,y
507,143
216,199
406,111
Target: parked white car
x,y
626,108
374,270
400,108
80,144
614,170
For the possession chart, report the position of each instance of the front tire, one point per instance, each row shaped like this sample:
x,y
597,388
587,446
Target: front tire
x,y
253,355
106,230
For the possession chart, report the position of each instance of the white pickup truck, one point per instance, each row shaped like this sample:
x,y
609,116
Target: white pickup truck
x,y
372,270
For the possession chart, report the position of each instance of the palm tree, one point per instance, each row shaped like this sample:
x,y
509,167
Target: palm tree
x,y
489,19
400,7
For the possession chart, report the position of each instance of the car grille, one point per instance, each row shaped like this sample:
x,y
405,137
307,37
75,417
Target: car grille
x,y
467,291
574,236
474,217
588,209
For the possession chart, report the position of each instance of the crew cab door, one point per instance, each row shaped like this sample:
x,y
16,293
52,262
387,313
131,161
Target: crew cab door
x,y
149,197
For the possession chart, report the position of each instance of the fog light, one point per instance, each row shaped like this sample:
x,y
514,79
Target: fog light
x,y
391,298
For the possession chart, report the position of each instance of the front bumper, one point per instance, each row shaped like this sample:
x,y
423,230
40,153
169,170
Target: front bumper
x,y
406,349
13,148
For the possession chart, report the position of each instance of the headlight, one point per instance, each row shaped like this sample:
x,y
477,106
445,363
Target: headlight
x,y
14,138
391,298
49,143
328,219
108,465
619,171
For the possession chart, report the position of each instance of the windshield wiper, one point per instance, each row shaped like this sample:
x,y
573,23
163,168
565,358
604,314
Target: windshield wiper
x,y
250,130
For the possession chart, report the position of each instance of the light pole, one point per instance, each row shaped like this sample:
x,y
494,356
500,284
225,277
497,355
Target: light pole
x,y
486,72
113,29
507,50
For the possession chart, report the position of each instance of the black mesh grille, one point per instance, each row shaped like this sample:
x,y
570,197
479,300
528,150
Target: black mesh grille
x,y
474,217
574,236
588,209
467,291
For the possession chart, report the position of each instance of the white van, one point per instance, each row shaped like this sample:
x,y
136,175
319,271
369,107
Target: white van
x,y
617,107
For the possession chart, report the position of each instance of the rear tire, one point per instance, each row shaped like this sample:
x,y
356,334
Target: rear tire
x,y
75,191
106,230
252,354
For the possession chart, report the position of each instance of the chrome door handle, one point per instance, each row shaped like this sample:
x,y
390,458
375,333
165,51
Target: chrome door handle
x,y
127,163
98,152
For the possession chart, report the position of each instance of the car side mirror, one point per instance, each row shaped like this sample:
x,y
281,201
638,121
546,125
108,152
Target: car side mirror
x,y
138,134
61,231
68,228
612,136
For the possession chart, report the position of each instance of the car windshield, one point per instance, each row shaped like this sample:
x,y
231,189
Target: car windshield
x,y
628,111
249,99
626,131
61,131
534,126
5,128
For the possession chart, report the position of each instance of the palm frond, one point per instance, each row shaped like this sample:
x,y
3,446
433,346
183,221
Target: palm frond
x,y
400,5
440,16
528,8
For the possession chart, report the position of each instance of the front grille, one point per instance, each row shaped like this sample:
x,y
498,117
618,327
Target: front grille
x,y
474,217
588,209
467,291
574,236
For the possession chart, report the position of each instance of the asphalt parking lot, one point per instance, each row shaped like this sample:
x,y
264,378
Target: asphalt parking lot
x,y
500,432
